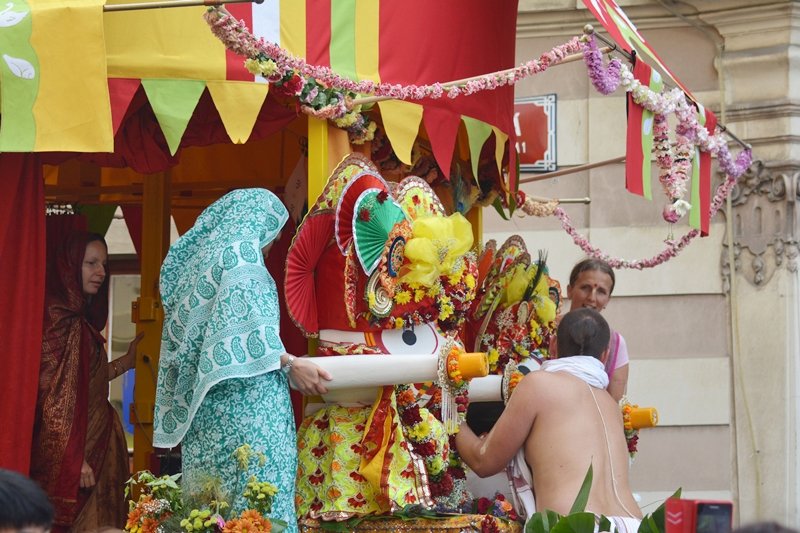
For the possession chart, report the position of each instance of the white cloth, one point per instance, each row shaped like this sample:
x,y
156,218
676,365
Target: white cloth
x,y
521,483
623,524
587,368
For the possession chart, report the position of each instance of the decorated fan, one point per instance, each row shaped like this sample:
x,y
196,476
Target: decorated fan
x,y
513,315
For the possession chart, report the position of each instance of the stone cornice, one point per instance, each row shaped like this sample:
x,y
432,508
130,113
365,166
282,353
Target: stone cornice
x,y
762,111
560,19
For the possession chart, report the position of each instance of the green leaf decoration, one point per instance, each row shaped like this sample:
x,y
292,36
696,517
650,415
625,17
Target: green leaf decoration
x,y
655,522
372,222
583,495
605,524
498,206
542,521
575,523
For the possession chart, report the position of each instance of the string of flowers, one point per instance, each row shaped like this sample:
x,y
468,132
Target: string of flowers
x,y
631,434
324,94
732,169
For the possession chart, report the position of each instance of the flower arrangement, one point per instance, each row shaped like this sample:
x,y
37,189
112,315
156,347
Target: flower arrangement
x,y
498,507
631,434
162,506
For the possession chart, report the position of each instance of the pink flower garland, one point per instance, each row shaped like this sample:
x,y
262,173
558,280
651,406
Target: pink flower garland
x,y
605,80
732,169
237,38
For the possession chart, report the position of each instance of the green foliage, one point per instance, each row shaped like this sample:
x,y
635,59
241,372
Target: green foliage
x,y
654,522
579,521
582,499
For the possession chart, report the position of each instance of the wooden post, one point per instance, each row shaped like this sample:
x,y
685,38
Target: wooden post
x,y
148,314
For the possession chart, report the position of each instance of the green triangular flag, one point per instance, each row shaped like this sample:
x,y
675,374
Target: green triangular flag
x,y
477,133
173,102
98,217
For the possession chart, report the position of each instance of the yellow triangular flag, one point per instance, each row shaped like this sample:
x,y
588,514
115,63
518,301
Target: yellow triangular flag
x,y
238,104
401,121
500,139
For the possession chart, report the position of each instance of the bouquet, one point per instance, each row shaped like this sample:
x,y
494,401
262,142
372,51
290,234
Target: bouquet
x,y
163,507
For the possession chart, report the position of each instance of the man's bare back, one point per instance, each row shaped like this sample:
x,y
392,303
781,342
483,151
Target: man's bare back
x,y
567,435
554,416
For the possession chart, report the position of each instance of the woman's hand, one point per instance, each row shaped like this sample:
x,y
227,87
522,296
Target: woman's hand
x,y
307,377
130,355
87,476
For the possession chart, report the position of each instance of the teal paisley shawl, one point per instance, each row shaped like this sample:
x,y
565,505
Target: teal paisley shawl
x,y
221,310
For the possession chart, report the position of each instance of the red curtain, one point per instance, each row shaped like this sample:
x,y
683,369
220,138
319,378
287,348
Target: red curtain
x,y
22,273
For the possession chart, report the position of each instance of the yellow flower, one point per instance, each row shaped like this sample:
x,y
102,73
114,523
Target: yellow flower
x,y
402,297
371,300
435,466
399,323
470,280
419,294
494,356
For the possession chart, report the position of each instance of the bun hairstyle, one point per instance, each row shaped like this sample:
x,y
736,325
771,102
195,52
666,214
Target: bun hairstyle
x,y
583,332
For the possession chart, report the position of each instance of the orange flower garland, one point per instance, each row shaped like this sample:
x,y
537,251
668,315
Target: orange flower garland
x,y
631,435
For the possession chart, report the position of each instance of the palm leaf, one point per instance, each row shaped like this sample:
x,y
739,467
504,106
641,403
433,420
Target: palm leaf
x,y
580,522
655,522
583,495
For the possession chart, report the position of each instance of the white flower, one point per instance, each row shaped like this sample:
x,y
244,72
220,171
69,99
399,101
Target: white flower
x,y
681,207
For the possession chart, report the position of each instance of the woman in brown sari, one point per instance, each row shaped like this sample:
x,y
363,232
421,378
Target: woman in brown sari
x,y
79,453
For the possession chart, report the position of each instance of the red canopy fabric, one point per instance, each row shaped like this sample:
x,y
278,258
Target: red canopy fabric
x,y
22,273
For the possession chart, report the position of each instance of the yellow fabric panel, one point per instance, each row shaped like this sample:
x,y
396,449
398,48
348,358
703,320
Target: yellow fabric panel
x,y
338,146
238,104
401,121
367,25
72,110
293,27
162,43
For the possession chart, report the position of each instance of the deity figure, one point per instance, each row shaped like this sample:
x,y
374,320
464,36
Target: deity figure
x,y
379,268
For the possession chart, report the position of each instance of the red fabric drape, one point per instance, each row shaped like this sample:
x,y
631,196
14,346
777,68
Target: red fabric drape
x,y
22,274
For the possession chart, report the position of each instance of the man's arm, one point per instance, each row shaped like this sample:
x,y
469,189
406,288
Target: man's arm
x,y
490,454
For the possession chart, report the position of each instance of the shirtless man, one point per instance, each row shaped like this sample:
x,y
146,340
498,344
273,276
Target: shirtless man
x,y
564,420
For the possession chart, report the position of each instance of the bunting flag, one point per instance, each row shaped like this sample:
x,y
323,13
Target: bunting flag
x,y
238,105
39,77
700,213
401,121
477,132
639,141
625,34
173,102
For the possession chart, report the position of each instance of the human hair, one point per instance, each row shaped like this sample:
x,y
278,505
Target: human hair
x,y
589,264
23,503
92,237
583,332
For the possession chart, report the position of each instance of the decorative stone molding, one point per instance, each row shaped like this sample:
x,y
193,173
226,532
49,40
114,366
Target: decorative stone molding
x,y
766,223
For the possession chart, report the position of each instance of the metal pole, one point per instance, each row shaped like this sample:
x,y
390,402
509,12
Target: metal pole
x,y
175,3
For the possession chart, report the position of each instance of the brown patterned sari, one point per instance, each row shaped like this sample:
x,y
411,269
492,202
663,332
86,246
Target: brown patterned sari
x,y
74,419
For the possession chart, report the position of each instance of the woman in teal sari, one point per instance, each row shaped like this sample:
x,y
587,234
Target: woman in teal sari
x,y
222,380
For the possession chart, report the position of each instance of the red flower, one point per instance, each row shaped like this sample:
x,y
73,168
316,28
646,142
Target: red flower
x,y
489,525
411,415
363,215
382,196
483,505
425,449
292,86
443,487
457,472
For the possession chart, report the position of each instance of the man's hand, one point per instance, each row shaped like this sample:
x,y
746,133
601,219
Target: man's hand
x,y
308,378
87,476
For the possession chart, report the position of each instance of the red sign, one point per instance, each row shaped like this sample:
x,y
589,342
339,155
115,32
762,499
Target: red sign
x,y
535,126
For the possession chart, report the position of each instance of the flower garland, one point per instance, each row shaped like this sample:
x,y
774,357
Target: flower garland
x,y
675,168
605,79
324,94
